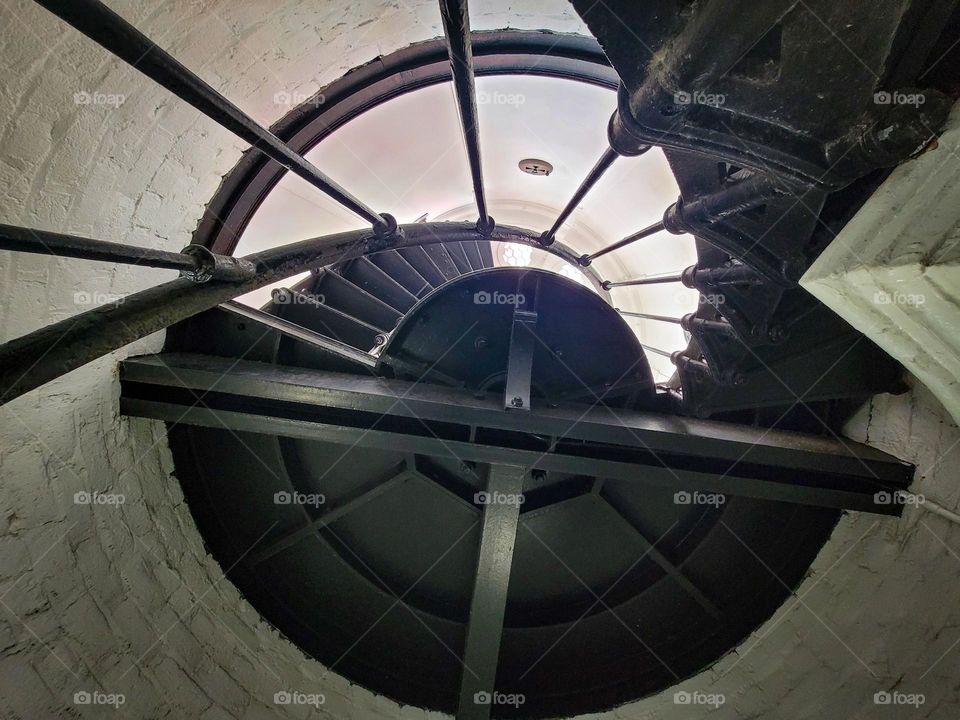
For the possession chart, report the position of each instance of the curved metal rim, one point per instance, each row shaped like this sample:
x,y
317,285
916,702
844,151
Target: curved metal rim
x,y
503,52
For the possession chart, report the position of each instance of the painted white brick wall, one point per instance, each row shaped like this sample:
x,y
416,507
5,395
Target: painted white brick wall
x,y
124,599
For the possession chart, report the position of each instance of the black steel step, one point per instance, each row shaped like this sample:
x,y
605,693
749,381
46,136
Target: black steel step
x,y
338,292
399,268
423,264
473,254
365,274
459,257
307,312
437,252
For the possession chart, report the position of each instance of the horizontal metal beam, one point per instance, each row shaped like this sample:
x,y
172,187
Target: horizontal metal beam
x,y
38,357
194,262
661,450
112,32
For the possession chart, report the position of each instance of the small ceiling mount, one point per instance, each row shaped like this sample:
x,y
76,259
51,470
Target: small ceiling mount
x,y
534,166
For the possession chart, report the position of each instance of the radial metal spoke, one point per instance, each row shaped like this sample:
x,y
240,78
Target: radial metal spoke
x,y
603,164
195,261
456,26
657,280
657,351
488,605
648,316
112,32
646,232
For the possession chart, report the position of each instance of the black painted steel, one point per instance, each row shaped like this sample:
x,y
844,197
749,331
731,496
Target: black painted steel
x,y
197,262
109,30
656,280
401,462
38,357
596,172
456,27
646,232
498,535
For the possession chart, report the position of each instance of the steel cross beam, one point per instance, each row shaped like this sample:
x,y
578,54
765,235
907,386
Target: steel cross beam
x,y
495,558
112,32
664,451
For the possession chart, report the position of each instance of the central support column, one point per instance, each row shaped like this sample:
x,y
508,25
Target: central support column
x,y
501,514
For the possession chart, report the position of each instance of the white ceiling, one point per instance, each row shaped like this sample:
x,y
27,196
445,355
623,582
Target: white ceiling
x,y
407,157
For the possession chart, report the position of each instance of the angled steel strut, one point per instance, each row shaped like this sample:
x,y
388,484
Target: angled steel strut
x,y
194,262
112,32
